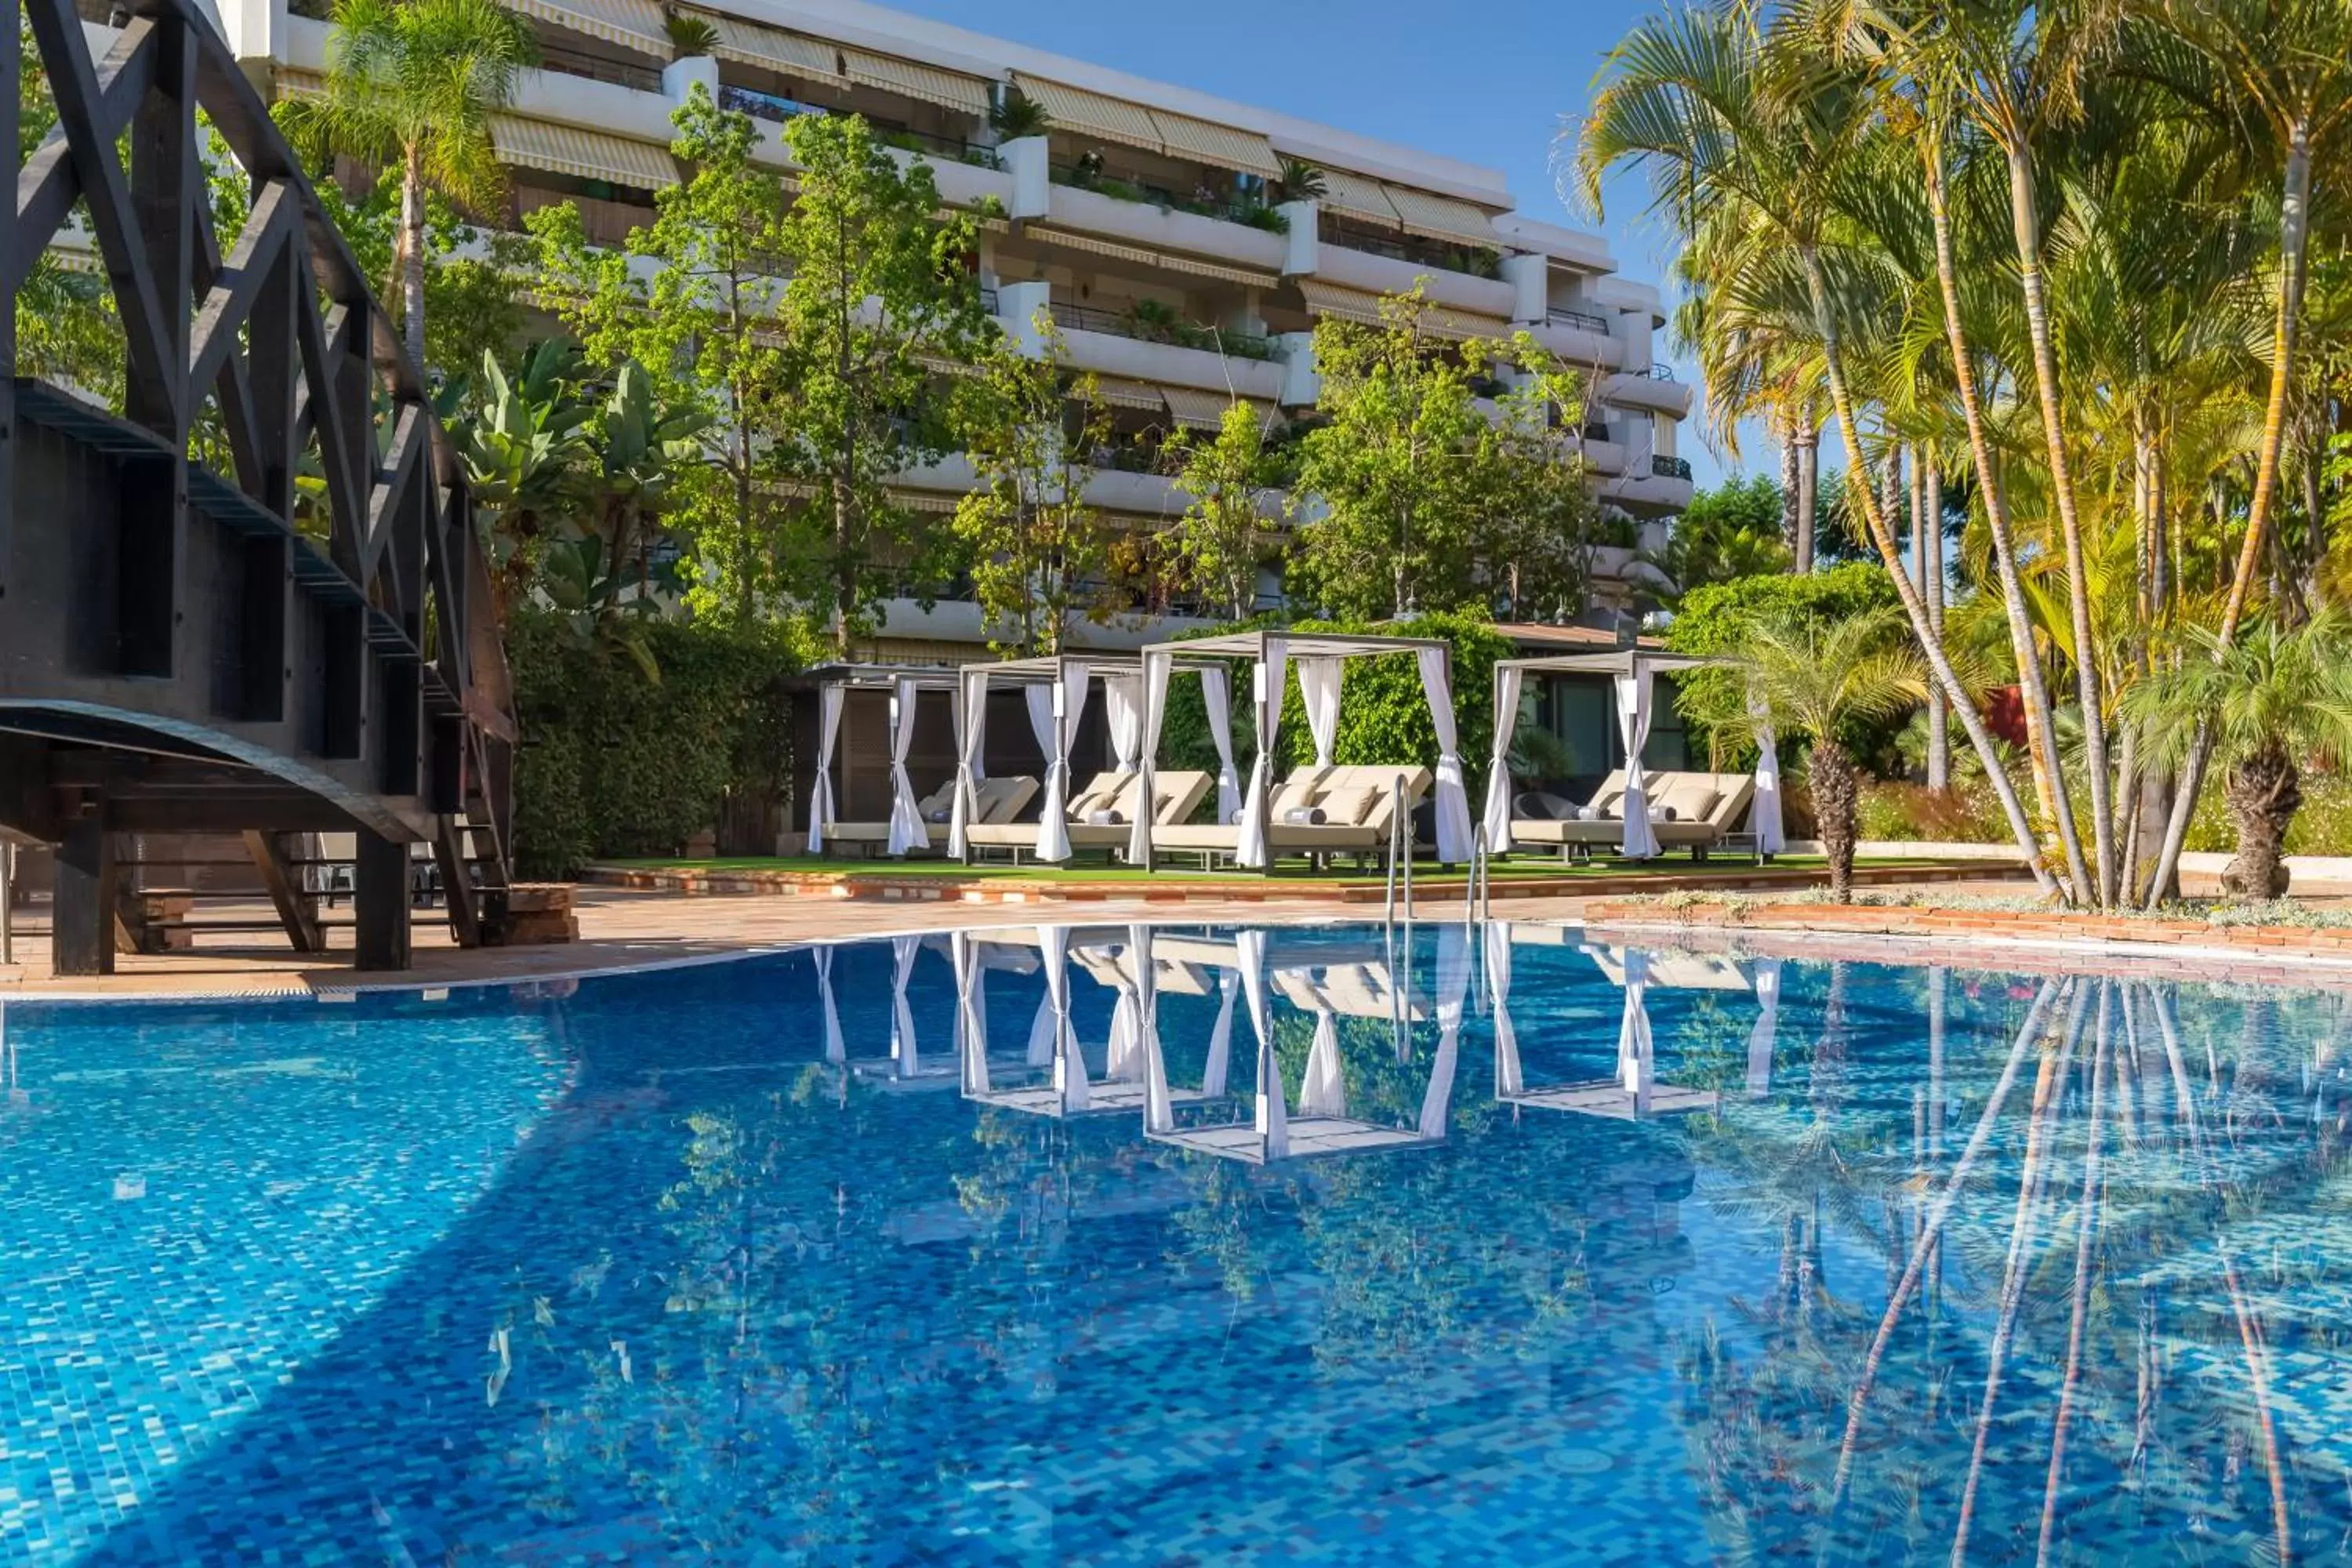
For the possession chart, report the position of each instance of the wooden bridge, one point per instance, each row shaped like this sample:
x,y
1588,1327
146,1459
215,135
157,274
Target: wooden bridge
x,y
188,650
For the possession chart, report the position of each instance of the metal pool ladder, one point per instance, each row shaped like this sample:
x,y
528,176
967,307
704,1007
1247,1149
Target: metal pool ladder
x,y
1400,853
1478,893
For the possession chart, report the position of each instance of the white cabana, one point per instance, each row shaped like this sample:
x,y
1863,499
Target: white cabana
x,y
1323,1125
1320,656
1122,959
1632,673
904,831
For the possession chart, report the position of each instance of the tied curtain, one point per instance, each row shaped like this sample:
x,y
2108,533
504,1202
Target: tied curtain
x,y
907,829
1319,691
971,1011
1498,816
1454,838
1764,813
971,732
1273,669
1508,1079
1216,697
828,730
1053,713
1636,1067
1640,842
1069,1068
1452,994
835,1050
1155,668
1123,709
903,949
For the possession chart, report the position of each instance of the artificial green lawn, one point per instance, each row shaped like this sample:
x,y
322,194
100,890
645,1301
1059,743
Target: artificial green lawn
x,y
1291,871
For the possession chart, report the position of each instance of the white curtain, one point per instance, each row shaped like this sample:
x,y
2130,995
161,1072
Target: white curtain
x,y
1768,1023
1155,667
971,1011
1639,841
835,1051
1453,993
1272,1121
1273,668
1452,801
1221,1039
1069,1066
1498,769
1635,1068
971,733
1325,1091
903,949
1123,709
1764,812
1216,695
1123,1053
828,727
1508,1079
1056,733
907,830
1318,688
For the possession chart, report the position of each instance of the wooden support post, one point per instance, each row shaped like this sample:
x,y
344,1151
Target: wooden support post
x,y
297,911
458,884
380,902
82,913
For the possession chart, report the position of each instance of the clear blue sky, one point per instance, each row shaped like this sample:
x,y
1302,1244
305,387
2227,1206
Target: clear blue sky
x,y
1491,82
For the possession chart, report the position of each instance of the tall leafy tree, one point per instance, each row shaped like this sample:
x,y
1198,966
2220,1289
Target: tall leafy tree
x,y
1226,532
411,84
880,289
1033,545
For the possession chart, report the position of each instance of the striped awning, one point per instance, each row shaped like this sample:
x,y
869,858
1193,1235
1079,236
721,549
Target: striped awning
x,y
1084,113
1220,146
1206,410
787,54
937,502
632,24
1346,304
1461,325
1117,252
1441,217
968,95
584,154
1353,196
1246,278
295,82
1117,392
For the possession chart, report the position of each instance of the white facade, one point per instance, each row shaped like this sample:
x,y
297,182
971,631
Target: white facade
x,y
1143,219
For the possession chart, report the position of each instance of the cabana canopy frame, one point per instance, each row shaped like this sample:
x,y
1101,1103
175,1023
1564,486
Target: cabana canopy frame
x,y
833,683
1068,677
1272,652
1632,671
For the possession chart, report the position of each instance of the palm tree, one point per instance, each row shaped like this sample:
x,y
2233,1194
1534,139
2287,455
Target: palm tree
x,y
1740,145
1016,115
413,83
522,440
2276,697
1815,679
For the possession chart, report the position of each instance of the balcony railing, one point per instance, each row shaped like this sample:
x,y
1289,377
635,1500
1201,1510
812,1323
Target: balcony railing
x,y
1668,467
1654,371
1183,334
954,149
1478,262
767,106
988,298
1251,215
596,68
1584,319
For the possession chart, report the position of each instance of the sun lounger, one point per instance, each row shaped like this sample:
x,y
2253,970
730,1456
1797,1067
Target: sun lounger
x,y
998,800
1706,809
1358,802
1177,795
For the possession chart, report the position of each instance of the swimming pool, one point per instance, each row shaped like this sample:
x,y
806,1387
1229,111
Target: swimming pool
x,y
1001,1250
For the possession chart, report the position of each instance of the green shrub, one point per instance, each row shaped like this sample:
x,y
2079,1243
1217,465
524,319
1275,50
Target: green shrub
x,y
1712,619
613,764
2323,825
1966,812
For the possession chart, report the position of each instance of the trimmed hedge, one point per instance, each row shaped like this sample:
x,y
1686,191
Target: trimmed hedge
x,y
613,764
1713,619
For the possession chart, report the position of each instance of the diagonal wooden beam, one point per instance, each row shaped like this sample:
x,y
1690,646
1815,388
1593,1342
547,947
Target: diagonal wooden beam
x,y
230,299
385,497
322,346
46,186
232,383
297,911
105,191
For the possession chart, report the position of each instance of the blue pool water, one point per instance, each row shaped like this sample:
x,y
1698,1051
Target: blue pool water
x,y
760,1262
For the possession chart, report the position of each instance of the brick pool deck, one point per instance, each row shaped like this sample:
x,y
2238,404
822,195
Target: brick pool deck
x,y
622,928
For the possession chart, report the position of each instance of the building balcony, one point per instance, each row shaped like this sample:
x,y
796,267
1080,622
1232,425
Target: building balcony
x,y
1666,467
1605,456
1384,275
1654,389
1578,339
1647,494
1143,223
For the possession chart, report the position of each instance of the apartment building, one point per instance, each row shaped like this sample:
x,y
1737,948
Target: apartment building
x,y
1144,219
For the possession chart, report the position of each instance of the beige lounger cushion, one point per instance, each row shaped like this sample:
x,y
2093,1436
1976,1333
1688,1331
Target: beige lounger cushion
x,y
1690,796
1001,800
1349,805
